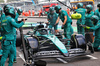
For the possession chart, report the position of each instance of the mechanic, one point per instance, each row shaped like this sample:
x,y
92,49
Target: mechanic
x,y
88,22
52,18
8,24
1,14
19,11
62,14
97,12
81,21
95,28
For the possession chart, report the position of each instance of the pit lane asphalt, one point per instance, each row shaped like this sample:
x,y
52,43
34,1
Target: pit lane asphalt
x,y
90,60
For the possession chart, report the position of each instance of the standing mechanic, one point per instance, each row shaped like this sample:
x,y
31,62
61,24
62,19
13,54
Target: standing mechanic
x,y
1,14
8,25
19,11
97,12
66,22
96,28
81,21
88,22
52,18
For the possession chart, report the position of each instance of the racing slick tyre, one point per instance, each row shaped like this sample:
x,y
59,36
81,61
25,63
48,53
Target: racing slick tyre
x,y
78,41
31,42
18,39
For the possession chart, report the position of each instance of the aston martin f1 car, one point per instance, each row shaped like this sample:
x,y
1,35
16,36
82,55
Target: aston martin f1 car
x,y
42,43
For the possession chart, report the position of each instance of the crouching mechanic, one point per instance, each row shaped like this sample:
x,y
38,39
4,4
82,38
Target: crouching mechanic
x,y
81,21
52,18
62,14
96,28
8,24
18,13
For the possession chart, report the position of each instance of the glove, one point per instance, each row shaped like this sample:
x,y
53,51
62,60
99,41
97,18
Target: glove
x,y
1,38
87,27
47,23
21,20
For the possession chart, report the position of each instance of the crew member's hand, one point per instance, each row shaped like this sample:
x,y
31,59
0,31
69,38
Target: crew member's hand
x,y
63,24
47,22
84,26
24,20
1,38
87,27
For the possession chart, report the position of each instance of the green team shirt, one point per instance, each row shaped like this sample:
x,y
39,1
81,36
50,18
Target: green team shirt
x,y
16,17
62,14
1,18
88,21
96,28
8,24
52,18
82,11
97,13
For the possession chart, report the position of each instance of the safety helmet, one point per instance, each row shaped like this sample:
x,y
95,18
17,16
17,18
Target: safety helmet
x,y
95,19
80,5
10,11
51,9
57,8
89,7
6,6
98,5
19,11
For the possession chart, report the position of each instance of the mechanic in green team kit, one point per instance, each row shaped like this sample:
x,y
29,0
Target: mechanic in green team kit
x,y
8,24
1,14
81,21
52,18
88,15
18,13
96,28
88,22
97,12
62,14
